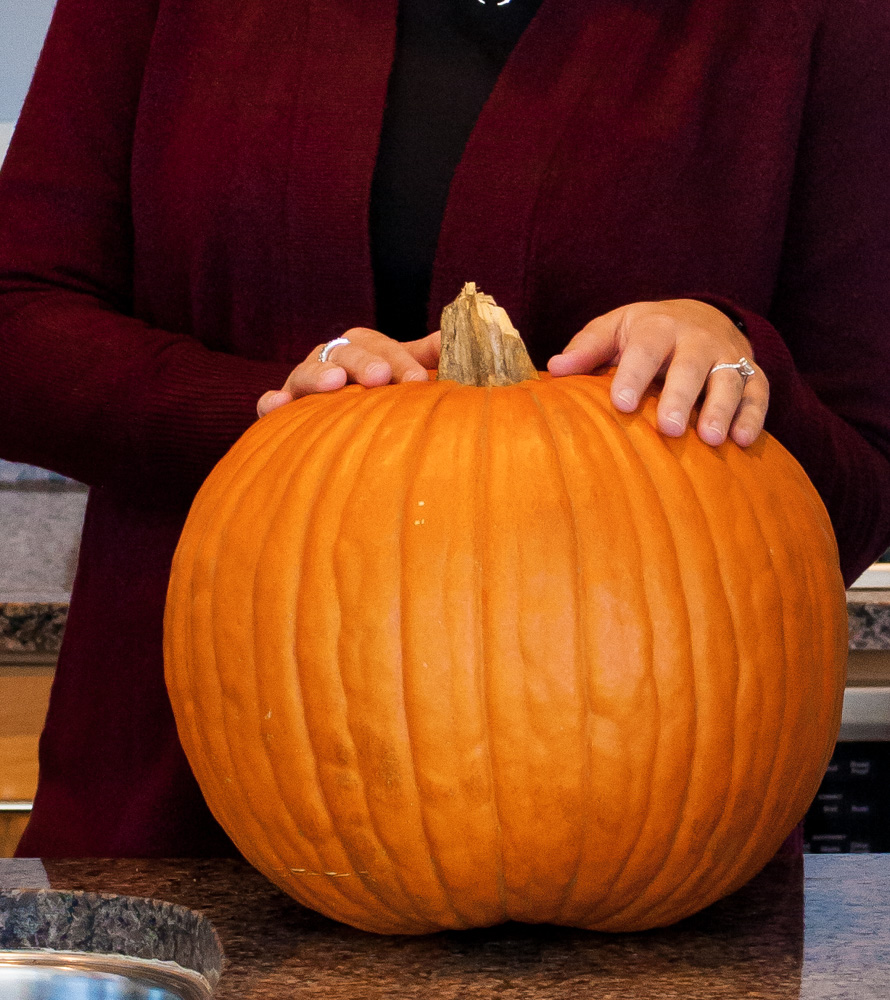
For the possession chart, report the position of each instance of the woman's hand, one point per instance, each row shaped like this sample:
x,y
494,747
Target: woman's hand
x,y
680,340
370,359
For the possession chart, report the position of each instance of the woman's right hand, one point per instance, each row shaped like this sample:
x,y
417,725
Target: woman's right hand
x,y
369,359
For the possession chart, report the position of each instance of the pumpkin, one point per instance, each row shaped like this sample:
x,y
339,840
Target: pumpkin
x,y
445,655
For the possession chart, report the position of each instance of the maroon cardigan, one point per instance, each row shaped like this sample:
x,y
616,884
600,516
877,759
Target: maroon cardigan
x,y
184,214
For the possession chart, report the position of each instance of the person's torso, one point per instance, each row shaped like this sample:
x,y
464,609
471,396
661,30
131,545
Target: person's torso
x,y
628,150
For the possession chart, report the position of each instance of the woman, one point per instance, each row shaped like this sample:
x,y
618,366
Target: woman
x,y
199,196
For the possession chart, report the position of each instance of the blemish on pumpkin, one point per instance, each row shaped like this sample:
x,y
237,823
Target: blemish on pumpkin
x,y
269,714
305,871
420,503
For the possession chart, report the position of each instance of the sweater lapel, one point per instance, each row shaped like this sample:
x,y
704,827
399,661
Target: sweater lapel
x,y
350,46
565,59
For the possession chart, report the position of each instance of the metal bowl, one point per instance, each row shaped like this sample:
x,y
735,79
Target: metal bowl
x,y
62,976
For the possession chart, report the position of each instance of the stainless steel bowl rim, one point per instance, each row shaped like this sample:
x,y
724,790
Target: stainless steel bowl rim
x,y
188,983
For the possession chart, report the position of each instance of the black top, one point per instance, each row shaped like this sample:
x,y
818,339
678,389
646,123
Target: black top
x,y
449,54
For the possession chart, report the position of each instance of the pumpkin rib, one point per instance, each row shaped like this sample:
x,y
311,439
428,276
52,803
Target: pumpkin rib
x,y
565,395
535,660
422,433
282,461
624,448
443,674
817,584
479,602
623,454
550,390
817,652
581,643
726,881
408,430
674,845
210,522
315,416
490,889
695,872
776,784
320,509
210,500
627,452
326,429
777,787
646,903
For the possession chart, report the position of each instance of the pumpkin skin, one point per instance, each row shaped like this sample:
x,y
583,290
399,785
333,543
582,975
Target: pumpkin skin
x,y
444,656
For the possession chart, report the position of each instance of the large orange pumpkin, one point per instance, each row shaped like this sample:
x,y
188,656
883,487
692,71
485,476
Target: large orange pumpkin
x,y
443,656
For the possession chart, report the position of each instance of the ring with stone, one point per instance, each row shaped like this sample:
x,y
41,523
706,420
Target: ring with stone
x,y
329,346
743,366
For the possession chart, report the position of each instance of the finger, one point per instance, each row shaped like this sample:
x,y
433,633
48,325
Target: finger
x,y
737,409
683,382
271,400
723,395
363,365
591,348
411,359
313,375
426,351
648,346
751,414
371,358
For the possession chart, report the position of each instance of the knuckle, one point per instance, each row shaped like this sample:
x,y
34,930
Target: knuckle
x,y
687,370
660,325
644,357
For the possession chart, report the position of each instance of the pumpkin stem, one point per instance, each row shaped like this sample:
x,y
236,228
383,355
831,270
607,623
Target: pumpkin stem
x,y
480,346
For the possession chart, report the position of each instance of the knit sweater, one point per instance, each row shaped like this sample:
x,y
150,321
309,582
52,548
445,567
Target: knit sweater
x,y
184,216
449,54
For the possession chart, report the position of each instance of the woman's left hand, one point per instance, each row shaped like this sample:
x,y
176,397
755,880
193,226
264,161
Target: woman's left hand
x,y
680,340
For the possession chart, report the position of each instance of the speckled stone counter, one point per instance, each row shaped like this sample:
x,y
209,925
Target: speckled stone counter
x,y
37,626
815,928
32,626
869,613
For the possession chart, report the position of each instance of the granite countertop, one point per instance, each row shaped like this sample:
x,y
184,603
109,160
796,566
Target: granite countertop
x,y
814,928
32,626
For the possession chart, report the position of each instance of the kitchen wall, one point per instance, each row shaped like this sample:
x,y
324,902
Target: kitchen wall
x,y
40,512
23,25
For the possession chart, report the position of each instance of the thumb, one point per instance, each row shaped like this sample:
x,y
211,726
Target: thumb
x,y
591,348
426,350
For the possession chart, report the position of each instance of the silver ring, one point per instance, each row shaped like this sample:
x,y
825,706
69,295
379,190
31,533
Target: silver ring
x,y
743,366
329,346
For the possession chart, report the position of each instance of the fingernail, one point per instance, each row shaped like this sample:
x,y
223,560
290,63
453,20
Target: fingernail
x,y
628,397
675,420
714,434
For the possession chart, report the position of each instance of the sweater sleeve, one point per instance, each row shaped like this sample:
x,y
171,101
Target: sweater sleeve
x,y
825,345
87,389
